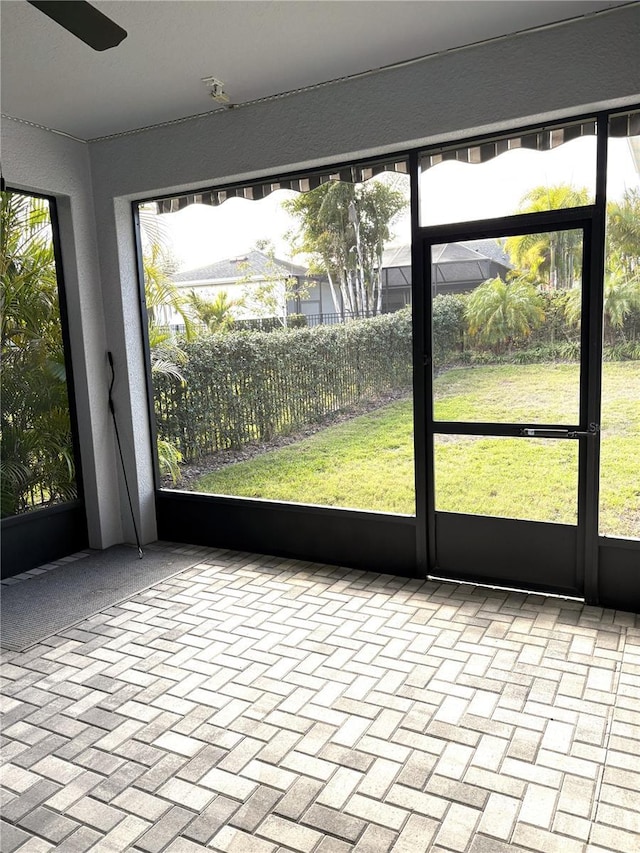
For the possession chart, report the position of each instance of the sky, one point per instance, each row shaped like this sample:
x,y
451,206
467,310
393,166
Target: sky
x,y
202,234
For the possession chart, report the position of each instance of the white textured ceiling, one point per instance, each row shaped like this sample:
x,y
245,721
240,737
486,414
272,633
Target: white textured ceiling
x,y
256,48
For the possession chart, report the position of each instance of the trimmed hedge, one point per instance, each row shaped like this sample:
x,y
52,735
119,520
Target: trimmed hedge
x,y
242,387
448,325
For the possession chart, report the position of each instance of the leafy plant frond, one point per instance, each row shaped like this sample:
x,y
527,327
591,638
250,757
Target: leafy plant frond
x,y
36,454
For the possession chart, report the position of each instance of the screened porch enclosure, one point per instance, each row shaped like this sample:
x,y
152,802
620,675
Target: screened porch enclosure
x,y
430,406
486,464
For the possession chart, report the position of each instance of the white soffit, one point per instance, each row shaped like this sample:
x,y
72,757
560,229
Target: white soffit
x,y
257,49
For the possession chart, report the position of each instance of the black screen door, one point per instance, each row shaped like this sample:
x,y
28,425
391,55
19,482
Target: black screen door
x,y
508,401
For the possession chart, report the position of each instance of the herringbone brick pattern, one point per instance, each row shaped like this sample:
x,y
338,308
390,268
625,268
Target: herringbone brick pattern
x,y
259,705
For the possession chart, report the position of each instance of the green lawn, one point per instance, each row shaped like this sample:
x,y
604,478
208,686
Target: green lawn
x,y
537,393
534,479
367,463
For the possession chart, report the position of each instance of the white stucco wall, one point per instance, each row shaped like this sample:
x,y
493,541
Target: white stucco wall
x,y
555,72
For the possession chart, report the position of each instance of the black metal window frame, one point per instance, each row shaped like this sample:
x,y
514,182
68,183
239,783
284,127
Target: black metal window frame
x,y
50,523
590,218
64,328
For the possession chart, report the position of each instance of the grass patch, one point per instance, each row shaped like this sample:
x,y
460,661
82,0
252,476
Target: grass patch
x,y
536,480
367,463
537,393
620,449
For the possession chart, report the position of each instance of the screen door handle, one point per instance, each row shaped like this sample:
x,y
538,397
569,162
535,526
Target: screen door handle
x,y
532,432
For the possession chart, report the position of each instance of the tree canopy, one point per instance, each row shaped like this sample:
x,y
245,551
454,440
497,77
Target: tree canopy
x,y
270,295
552,259
344,228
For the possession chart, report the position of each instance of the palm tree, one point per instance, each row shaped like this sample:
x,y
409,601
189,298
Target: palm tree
x,y
621,296
623,232
344,227
379,205
622,272
622,283
553,258
216,314
498,312
323,229
162,298
622,277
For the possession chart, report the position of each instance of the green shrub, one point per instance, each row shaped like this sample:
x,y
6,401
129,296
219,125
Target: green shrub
x,y
242,387
503,314
296,321
622,351
448,325
555,328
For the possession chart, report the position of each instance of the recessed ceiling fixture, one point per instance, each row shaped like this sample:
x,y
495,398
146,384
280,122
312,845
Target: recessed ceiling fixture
x,y
216,89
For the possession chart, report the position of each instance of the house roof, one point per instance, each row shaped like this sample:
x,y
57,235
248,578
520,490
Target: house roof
x,y
470,262
491,249
254,264
467,252
396,256
455,261
457,265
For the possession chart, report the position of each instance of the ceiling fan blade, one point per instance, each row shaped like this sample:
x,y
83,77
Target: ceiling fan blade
x,y
84,21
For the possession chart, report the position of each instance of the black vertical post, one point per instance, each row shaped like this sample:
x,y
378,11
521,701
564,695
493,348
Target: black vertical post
x,y
590,450
423,450
144,328
66,345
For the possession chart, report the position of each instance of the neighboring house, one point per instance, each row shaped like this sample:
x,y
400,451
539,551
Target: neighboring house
x,y
261,286
396,278
457,268
461,267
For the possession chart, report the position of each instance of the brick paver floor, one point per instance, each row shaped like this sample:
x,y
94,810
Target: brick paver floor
x,y
260,705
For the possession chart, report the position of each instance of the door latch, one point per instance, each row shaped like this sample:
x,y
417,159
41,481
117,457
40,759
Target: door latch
x,y
532,432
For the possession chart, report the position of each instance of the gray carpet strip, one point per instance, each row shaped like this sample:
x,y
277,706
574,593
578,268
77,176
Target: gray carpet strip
x,y
37,607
